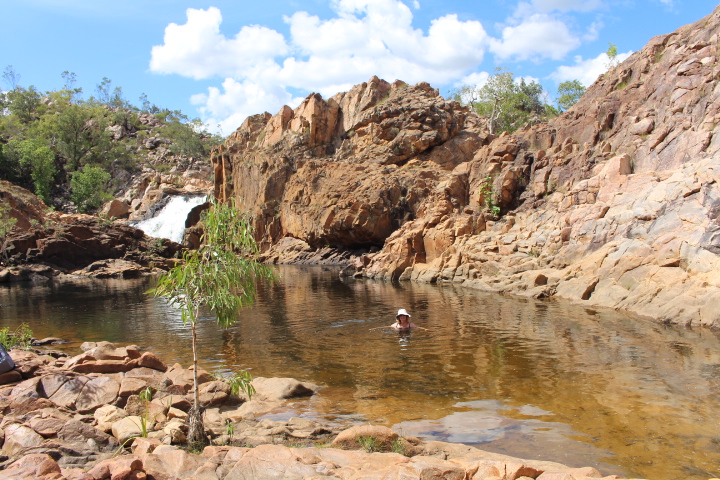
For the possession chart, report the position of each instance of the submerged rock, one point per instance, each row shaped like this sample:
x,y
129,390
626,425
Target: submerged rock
x,y
46,436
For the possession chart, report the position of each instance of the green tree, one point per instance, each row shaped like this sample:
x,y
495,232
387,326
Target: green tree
x,y
24,103
6,225
89,187
507,103
612,56
80,135
39,159
8,168
11,77
221,275
569,93
69,89
109,96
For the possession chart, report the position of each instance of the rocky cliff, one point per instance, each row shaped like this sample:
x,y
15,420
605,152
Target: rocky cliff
x,y
46,243
613,204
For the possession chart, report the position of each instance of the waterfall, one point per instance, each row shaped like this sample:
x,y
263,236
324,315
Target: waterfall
x,y
169,222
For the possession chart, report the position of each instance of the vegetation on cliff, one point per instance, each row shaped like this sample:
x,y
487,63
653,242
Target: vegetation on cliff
x,y
509,103
58,144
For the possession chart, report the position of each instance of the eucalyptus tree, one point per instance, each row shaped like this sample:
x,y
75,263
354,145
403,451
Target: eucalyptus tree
x,y
221,276
569,93
507,103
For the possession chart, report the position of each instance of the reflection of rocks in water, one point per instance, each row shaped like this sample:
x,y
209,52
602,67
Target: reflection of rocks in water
x,y
489,427
612,380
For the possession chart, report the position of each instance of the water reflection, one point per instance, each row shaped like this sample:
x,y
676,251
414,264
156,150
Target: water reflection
x,y
533,379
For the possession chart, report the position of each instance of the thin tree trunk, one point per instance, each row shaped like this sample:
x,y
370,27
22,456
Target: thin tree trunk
x,y
196,427
195,368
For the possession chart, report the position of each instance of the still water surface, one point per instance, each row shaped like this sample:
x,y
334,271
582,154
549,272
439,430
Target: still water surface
x,y
533,379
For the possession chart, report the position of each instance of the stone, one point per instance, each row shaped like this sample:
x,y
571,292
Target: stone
x,y
96,393
250,410
349,437
431,467
176,413
150,360
68,392
116,209
10,377
47,427
142,446
117,468
19,437
127,428
184,377
107,415
171,462
274,389
74,432
49,384
271,462
36,466
176,429
131,386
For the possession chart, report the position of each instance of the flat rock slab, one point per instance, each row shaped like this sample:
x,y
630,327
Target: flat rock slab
x,y
67,394
275,389
96,393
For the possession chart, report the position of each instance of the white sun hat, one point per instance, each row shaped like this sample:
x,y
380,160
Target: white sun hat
x,y
402,311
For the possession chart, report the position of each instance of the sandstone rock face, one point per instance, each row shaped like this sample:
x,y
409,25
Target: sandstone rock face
x,y
82,245
350,170
614,204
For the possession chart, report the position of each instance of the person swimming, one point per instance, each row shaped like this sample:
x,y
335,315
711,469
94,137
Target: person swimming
x,y
402,322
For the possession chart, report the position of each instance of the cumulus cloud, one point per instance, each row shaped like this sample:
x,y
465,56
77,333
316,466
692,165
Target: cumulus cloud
x,y
476,78
225,109
587,71
537,36
197,49
365,38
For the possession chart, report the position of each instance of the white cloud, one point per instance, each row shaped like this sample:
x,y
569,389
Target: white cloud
x,y
476,78
237,101
546,6
536,36
197,49
587,71
366,38
593,31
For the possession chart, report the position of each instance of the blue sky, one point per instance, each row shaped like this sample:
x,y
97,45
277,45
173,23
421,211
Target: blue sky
x,y
224,60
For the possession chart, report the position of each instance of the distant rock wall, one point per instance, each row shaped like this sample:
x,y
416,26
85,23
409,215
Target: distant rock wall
x,y
614,204
45,243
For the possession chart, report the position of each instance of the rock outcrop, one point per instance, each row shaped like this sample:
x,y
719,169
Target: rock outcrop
x,y
615,203
71,419
44,244
349,171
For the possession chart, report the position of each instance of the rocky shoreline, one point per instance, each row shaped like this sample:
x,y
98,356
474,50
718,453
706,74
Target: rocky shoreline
x,y
89,417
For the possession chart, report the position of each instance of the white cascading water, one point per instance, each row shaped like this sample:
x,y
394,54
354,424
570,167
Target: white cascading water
x,y
169,222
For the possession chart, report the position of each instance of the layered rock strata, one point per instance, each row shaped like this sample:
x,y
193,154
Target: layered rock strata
x,y
615,203
83,418
44,244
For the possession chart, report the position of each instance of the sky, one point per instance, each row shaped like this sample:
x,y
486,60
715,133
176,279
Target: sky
x,y
224,60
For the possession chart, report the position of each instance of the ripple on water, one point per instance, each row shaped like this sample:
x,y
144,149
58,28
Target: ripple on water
x,y
526,378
